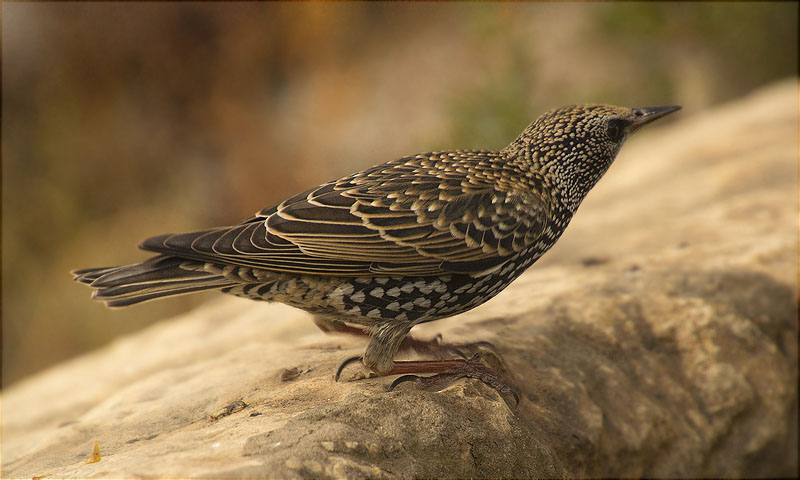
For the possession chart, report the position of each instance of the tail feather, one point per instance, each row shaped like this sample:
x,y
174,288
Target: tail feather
x,y
158,277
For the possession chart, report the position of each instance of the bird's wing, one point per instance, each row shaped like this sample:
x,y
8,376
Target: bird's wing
x,y
423,215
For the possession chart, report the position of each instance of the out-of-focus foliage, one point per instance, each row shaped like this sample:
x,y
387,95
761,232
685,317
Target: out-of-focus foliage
x,y
127,120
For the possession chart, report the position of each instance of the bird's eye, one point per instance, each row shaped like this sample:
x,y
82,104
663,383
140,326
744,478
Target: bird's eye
x,y
615,129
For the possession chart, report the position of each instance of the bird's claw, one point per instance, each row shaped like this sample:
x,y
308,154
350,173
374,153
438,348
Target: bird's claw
x,y
344,364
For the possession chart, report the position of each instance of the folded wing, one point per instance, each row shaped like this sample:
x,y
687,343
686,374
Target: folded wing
x,y
425,215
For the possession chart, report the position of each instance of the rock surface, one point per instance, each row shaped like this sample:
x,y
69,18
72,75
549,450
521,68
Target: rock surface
x,y
659,338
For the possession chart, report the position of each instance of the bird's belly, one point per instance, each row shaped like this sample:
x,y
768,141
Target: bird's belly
x,y
370,300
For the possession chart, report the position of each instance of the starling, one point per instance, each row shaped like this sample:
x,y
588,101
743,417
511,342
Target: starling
x,y
412,240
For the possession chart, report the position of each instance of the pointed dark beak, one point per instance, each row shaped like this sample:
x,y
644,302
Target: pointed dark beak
x,y
645,115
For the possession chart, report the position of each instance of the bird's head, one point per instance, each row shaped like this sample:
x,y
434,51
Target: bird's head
x,y
574,146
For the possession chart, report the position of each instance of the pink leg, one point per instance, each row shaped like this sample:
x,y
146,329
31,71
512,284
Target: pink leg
x,y
433,347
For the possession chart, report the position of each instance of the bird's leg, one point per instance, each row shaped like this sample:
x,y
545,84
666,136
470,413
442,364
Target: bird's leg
x,y
433,347
342,328
387,339
328,325
436,348
448,371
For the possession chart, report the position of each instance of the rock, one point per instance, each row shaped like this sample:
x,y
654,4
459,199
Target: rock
x,y
658,339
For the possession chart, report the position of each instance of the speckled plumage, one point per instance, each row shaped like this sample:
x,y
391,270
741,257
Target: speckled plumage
x,y
408,241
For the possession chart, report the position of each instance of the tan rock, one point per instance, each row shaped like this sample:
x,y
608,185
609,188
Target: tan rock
x,y
658,338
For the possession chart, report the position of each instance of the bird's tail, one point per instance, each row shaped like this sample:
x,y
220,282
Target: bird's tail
x,y
157,277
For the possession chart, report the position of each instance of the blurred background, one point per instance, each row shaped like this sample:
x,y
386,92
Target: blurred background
x,y
122,121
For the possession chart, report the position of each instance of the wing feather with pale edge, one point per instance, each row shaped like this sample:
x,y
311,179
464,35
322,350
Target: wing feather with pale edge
x,y
446,212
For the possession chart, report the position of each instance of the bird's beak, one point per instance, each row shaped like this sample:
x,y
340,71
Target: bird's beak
x,y
645,115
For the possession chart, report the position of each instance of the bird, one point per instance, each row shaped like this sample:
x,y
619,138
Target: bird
x,y
412,240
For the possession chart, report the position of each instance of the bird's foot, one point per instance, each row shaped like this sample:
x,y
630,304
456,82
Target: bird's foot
x,y
433,347
445,373
448,371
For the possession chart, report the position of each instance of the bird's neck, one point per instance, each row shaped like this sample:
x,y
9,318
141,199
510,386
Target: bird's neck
x,y
566,176
551,177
